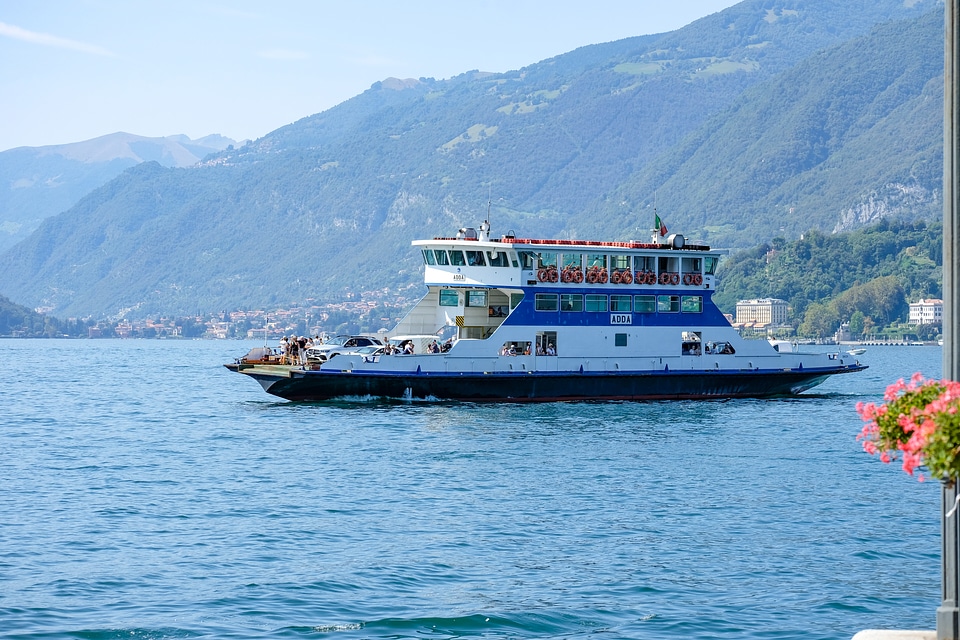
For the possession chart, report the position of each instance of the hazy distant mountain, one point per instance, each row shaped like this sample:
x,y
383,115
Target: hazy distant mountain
x,y
769,118
38,182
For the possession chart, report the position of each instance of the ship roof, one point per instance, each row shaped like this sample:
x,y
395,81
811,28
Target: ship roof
x,y
569,243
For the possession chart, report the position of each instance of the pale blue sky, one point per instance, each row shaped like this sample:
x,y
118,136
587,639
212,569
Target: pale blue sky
x,y
77,69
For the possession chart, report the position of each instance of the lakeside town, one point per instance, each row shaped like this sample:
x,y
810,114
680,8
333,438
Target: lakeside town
x,y
371,313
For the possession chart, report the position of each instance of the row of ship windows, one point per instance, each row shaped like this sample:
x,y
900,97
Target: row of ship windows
x,y
618,303
456,258
591,303
566,261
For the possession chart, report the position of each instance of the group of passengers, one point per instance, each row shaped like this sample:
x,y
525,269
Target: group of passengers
x,y
407,347
436,347
513,349
717,348
509,349
292,349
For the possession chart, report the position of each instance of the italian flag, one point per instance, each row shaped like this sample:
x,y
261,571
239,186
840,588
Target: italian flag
x,y
658,224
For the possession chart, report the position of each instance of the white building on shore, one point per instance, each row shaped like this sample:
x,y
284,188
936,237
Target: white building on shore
x,y
926,311
764,311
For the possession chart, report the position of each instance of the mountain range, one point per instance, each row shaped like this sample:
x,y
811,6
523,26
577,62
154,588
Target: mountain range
x,y
768,119
39,182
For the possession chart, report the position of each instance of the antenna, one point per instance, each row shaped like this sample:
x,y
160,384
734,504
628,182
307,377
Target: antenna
x,y
489,200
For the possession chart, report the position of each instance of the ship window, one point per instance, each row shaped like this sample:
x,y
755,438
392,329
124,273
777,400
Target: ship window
x,y
546,302
620,262
515,300
670,265
441,256
456,258
428,256
619,339
548,259
572,261
475,259
690,265
595,303
571,302
668,304
497,259
723,348
645,263
710,265
692,304
597,260
547,343
645,304
690,343
620,303
516,349
528,259
449,298
476,298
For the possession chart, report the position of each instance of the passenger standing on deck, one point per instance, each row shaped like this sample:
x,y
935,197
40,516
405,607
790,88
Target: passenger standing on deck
x,y
293,350
283,350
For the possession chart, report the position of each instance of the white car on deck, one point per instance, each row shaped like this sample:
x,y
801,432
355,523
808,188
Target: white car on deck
x,y
340,344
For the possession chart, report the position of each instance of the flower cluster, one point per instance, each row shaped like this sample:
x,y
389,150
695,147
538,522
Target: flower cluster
x,y
918,423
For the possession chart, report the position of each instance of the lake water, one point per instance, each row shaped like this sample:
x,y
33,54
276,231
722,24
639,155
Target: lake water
x,y
146,492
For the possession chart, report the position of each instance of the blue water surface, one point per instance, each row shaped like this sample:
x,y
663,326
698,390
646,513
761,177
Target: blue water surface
x,y
146,492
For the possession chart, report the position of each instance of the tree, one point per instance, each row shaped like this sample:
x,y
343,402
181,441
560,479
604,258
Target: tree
x,y
857,321
820,321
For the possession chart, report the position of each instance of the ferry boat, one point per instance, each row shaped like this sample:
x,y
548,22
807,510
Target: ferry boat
x,y
559,320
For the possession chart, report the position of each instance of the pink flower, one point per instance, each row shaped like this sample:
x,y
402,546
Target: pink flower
x,y
918,423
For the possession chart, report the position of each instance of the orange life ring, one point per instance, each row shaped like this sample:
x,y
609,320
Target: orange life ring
x,y
674,278
542,275
578,276
603,276
615,278
640,277
626,278
567,275
688,278
664,278
591,277
697,279
552,275
651,277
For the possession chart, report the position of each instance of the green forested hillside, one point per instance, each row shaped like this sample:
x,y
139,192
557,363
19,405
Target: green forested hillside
x,y
875,271
39,182
847,137
21,322
759,121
